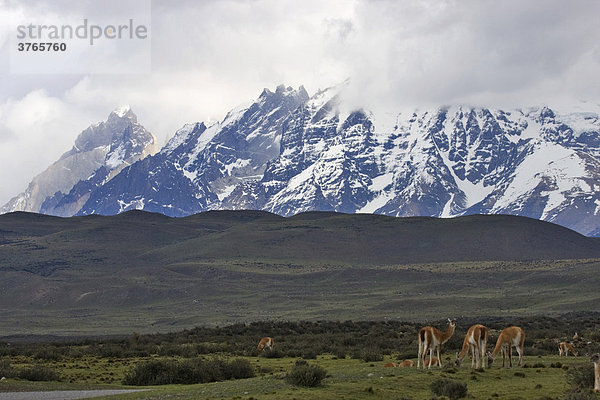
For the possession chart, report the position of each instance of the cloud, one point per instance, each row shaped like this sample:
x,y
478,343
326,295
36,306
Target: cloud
x,y
34,131
474,51
209,56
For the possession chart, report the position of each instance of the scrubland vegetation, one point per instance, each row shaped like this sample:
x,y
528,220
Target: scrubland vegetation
x,y
325,359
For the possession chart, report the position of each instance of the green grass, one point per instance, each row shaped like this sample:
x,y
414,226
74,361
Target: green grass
x,y
353,379
187,295
103,363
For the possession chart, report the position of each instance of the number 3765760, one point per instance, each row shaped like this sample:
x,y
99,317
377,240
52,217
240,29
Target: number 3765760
x,y
34,46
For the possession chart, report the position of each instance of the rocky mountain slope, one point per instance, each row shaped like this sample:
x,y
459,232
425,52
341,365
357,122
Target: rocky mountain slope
x,y
200,166
99,153
288,152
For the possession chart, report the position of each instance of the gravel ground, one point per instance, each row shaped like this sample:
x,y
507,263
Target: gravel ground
x,y
62,394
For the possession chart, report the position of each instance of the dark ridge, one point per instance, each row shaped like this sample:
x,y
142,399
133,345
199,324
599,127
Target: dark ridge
x,y
136,214
28,216
234,215
357,239
313,215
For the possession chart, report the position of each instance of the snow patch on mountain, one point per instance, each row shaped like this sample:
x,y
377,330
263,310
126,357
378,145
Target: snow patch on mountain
x,y
122,110
561,166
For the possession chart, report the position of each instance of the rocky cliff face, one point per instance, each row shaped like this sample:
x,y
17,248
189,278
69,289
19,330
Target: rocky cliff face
x,y
100,152
200,166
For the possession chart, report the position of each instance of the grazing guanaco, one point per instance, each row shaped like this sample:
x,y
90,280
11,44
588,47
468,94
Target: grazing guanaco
x,y
432,339
476,341
564,348
390,365
512,336
596,360
407,364
265,343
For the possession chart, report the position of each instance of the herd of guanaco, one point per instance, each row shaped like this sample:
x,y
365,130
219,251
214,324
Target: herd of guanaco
x,y
431,339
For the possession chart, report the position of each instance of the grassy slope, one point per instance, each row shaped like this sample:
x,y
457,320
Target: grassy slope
x,y
147,272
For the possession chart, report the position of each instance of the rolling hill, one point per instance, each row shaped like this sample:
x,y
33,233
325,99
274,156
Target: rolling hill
x,y
147,272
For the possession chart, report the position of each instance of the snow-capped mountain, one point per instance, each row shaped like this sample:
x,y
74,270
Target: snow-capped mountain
x,y
100,152
200,166
287,152
439,162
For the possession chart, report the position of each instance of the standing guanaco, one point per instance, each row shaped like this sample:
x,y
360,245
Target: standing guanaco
x,y
265,343
564,348
476,341
432,339
596,360
512,336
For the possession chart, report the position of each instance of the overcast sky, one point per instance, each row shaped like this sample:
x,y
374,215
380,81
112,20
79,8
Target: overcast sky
x,y
209,56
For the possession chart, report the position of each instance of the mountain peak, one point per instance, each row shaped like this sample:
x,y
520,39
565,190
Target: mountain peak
x,y
282,90
123,112
101,149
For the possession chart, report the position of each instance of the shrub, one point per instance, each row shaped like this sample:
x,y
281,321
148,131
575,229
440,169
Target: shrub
x,y
340,353
48,355
39,373
449,388
306,375
156,372
368,354
580,395
581,378
406,355
449,368
275,353
309,355
238,369
6,369
164,372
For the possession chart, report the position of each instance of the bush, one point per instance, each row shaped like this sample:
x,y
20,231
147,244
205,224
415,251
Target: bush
x,y
156,372
48,355
6,370
581,378
340,353
275,353
164,372
583,395
238,369
309,355
451,389
306,375
368,354
39,373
